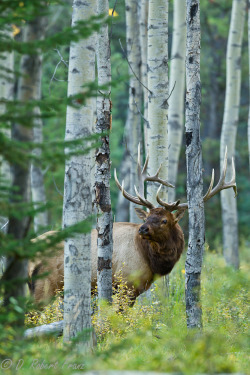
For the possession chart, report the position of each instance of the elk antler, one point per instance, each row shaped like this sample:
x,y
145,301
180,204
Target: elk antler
x,y
221,184
169,206
211,191
142,177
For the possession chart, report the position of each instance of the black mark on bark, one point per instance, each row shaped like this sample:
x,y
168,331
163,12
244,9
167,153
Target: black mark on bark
x,y
101,158
73,250
103,264
193,287
193,11
189,136
102,197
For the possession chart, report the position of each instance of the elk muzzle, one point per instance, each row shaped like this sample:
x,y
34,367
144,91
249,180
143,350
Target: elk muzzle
x,y
144,230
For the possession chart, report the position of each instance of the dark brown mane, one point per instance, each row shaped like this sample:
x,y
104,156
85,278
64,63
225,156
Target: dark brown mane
x,y
32,281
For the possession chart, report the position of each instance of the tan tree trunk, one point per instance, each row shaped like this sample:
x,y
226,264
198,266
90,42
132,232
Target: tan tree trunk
x,y
134,116
157,142
176,100
229,129
194,168
102,177
77,204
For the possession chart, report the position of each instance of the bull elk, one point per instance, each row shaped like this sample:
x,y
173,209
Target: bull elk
x,y
141,252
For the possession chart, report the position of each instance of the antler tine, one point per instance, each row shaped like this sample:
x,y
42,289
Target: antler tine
x,y
144,169
156,178
233,181
224,169
117,181
139,160
143,200
168,206
205,198
222,185
128,196
139,171
143,177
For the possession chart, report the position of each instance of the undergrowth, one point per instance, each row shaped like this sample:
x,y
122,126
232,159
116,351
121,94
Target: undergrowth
x,y
152,335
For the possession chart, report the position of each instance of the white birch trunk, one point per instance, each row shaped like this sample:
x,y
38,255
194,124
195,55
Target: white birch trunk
x,y
157,143
6,93
176,100
102,176
77,204
122,206
134,116
194,168
41,219
37,182
229,129
143,29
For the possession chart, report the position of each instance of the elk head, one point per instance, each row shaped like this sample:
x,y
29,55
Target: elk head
x,y
159,220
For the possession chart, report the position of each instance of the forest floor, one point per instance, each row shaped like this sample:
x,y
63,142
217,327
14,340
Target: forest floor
x,y
152,336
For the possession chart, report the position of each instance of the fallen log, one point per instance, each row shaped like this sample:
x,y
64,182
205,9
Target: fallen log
x,y
55,328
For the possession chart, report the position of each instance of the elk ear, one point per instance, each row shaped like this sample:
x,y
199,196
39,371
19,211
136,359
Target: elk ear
x,y
141,213
179,215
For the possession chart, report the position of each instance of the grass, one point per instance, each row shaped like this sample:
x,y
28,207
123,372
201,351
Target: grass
x,y
153,335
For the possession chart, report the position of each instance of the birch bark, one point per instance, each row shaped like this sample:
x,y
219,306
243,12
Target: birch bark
x,y
134,117
37,182
143,29
41,219
122,206
229,129
176,100
77,186
194,168
157,143
6,93
102,176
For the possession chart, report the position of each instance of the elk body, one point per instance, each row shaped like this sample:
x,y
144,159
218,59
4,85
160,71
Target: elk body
x,y
141,252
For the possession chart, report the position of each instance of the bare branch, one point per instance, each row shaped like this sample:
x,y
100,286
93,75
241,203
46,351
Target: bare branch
x,y
57,65
124,53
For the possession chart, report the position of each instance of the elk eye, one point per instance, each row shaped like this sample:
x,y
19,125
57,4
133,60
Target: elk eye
x,y
164,221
